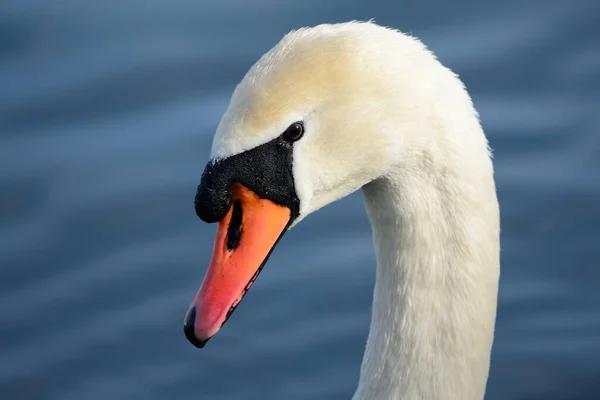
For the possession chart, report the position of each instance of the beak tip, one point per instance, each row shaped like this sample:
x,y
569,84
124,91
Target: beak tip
x,y
188,329
196,342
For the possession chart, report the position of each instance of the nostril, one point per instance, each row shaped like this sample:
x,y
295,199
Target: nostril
x,y
188,328
234,231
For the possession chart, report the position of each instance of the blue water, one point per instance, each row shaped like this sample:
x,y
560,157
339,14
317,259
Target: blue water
x,y
107,109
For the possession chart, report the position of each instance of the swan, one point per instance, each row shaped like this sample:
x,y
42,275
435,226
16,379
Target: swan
x,y
340,107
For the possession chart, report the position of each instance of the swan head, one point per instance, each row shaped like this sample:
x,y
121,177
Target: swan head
x,y
326,111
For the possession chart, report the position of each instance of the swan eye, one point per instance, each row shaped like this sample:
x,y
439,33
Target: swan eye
x,y
294,132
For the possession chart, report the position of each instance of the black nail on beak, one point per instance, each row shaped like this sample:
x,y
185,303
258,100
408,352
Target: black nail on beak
x,y
188,329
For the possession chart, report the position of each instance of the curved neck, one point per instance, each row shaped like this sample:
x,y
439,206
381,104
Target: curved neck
x,y
434,303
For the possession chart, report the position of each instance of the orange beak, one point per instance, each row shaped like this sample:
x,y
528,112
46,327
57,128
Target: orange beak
x,y
245,238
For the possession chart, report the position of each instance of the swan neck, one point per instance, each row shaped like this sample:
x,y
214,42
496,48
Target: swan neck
x,y
434,303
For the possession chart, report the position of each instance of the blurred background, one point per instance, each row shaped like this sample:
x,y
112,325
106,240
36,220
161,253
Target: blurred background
x,y
107,110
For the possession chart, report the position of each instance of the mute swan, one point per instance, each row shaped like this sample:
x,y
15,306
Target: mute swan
x,y
335,108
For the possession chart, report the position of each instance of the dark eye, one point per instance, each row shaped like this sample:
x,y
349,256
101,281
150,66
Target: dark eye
x,y
294,132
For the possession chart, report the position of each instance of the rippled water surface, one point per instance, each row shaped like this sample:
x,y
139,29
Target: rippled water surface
x,y
107,109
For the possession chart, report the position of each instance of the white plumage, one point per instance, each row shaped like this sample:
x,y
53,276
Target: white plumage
x,y
382,114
